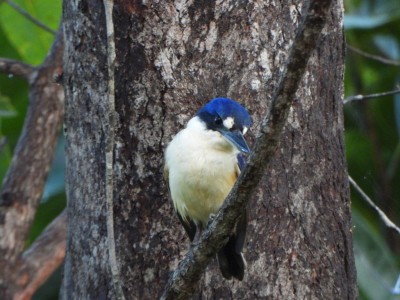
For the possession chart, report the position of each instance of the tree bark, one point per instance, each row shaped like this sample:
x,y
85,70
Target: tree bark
x,y
171,58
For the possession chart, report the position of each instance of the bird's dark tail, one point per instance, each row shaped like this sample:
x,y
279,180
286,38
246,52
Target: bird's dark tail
x,y
231,262
230,257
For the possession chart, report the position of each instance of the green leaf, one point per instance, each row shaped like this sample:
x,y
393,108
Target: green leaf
x,y
365,22
5,157
31,41
6,108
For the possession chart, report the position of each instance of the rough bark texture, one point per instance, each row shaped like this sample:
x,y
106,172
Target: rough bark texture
x,y
86,267
172,57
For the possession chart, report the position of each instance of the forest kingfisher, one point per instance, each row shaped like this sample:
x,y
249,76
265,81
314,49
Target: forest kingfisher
x,y
202,163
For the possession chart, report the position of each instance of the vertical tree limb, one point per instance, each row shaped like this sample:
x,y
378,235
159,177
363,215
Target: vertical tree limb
x,y
183,281
171,58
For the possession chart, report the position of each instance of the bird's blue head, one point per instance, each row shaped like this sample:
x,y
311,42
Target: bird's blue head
x,y
228,118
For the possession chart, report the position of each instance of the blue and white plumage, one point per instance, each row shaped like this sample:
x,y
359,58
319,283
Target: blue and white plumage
x,y
202,163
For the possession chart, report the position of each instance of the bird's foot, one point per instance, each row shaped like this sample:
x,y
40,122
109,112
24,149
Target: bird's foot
x,y
197,236
211,218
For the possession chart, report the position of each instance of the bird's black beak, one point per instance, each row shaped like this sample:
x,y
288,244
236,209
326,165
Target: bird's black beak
x,y
236,139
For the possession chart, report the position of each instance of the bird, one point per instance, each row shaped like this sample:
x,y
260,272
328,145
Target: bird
x,y
202,163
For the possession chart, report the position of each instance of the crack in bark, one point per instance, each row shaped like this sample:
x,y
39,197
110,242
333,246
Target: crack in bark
x,y
116,281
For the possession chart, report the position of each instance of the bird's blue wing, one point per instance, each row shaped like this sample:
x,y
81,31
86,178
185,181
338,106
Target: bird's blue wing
x,y
241,161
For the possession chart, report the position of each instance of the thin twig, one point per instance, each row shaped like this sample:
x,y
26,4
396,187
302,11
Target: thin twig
x,y
370,96
108,6
35,21
381,214
381,59
183,281
16,68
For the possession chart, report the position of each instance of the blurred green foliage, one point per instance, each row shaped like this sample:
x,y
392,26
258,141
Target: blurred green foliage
x,y
372,141
372,129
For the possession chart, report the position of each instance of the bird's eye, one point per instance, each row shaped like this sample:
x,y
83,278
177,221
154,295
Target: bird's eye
x,y
218,120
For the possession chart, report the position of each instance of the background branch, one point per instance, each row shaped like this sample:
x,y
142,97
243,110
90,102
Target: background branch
x,y
43,257
374,57
16,68
370,96
183,281
24,13
381,214
24,182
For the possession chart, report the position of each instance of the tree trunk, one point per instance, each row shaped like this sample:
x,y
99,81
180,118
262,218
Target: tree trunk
x,y
171,58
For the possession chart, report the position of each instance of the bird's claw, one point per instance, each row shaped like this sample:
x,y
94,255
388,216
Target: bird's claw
x,y
211,218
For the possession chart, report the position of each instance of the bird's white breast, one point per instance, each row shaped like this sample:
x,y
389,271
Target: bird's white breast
x,y
202,168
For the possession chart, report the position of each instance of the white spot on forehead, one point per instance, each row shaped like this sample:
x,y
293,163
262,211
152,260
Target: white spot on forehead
x,y
228,122
244,130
